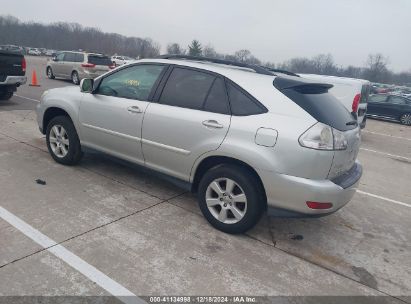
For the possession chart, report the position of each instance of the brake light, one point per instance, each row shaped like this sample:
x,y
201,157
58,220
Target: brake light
x,y
317,205
356,102
23,64
112,66
88,65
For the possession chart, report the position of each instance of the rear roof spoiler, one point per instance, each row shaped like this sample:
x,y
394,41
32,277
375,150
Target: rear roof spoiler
x,y
300,84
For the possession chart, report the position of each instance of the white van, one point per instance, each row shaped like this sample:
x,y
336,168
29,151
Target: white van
x,y
353,93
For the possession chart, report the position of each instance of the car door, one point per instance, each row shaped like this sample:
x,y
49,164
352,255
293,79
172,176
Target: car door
x,y
376,105
58,65
67,67
191,117
111,117
397,106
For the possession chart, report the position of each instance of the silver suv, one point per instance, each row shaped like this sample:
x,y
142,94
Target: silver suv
x,y
78,65
239,136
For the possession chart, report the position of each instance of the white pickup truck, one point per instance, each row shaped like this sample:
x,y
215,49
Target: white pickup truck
x,y
12,73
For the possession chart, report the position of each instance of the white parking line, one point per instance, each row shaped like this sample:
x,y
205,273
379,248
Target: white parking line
x,y
387,154
388,135
384,198
27,98
71,259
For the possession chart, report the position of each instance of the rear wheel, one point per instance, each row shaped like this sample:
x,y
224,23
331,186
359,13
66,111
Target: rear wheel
x,y
4,95
50,74
75,78
231,198
62,141
405,119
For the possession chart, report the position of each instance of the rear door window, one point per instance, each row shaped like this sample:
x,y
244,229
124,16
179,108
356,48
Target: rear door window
x,y
397,100
217,101
186,88
378,98
99,60
242,103
70,57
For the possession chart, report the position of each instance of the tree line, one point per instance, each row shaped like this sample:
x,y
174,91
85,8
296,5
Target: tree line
x,y
73,36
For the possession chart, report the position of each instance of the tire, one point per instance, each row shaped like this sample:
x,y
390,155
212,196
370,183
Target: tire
x,y
405,119
228,214
62,141
49,73
75,78
6,95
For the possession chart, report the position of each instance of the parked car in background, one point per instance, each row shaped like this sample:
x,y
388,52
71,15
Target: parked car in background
x,y
12,73
50,52
352,92
78,65
34,52
390,107
12,48
120,60
242,138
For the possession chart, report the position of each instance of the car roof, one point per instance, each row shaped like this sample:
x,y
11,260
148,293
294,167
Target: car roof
x,y
235,73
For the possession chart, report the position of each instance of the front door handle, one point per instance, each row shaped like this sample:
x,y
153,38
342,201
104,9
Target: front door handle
x,y
134,109
212,124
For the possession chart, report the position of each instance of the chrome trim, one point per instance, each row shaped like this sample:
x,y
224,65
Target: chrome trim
x,y
166,147
138,139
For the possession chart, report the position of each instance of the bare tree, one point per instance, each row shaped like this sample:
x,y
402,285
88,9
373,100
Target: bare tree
x,y
376,67
175,49
242,55
209,51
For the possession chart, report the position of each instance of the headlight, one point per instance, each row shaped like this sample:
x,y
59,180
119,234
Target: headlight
x,y
44,94
323,137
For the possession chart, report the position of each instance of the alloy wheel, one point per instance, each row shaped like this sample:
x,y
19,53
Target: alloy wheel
x,y
226,200
59,141
406,119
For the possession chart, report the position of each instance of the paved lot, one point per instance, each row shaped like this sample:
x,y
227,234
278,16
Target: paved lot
x,y
104,227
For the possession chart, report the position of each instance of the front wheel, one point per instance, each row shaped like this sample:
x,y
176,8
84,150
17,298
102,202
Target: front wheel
x,y
6,95
405,119
231,198
75,78
62,141
50,74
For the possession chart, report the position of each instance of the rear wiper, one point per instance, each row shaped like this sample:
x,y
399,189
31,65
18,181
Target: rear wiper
x,y
351,123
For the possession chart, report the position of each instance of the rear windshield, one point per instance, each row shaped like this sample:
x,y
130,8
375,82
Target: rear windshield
x,y
99,60
323,106
365,93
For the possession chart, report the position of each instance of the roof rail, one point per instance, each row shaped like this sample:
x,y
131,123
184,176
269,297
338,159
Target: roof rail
x,y
255,68
282,72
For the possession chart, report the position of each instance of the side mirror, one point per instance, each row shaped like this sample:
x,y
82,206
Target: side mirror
x,y
86,85
54,58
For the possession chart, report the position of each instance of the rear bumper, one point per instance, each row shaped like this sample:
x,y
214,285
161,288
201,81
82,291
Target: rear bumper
x,y
14,80
287,195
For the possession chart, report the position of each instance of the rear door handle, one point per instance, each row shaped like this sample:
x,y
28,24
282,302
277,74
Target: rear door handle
x,y
134,109
212,124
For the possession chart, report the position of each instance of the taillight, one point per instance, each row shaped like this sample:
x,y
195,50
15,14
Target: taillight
x,y
356,102
88,65
112,66
23,64
317,205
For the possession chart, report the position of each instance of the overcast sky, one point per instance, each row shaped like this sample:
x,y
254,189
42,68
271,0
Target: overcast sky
x,y
273,30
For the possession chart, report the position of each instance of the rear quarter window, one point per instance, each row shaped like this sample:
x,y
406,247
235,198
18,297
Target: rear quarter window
x,y
99,60
243,104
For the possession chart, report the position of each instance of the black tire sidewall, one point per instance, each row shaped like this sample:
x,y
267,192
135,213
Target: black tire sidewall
x,y
6,95
72,78
247,181
51,72
74,152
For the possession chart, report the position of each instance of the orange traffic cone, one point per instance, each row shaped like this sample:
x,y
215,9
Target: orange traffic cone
x,y
34,82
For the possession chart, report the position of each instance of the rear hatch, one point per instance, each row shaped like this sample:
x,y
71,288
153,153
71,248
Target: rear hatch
x,y
315,99
11,64
99,64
